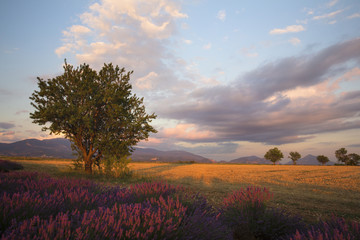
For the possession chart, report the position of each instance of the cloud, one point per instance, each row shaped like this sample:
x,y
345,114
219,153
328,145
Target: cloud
x,y
21,112
295,41
221,15
145,82
131,34
207,46
187,132
332,3
288,29
260,106
328,15
249,52
187,41
211,149
355,15
5,125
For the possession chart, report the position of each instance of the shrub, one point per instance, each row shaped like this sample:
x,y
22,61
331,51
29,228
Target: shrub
x,y
333,229
246,213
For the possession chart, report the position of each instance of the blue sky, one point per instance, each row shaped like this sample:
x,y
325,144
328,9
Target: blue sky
x,y
226,78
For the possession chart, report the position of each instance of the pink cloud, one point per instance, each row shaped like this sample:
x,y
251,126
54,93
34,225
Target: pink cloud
x,y
188,132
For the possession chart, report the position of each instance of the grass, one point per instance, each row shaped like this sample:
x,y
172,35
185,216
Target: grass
x,y
313,192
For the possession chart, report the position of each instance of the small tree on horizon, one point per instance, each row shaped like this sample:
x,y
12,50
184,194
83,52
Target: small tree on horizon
x,y
96,111
354,159
322,159
274,155
294,156
341,155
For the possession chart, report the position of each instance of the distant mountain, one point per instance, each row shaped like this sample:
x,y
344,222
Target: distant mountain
x,y
57,148
149,154
308,160
61,148
250,160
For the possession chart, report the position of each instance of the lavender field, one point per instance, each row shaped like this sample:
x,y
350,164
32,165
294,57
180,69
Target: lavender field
x,y
37,206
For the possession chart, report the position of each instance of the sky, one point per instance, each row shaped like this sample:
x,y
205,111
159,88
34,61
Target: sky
x,y
226,79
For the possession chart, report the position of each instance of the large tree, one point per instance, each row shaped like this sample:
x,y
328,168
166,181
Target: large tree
x,y
96,111
294,156
274,155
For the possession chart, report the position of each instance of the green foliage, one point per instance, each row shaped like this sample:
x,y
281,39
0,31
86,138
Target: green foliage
x,y
117,167
354,159
341,155
294,156
351,159
274,155
95,111
322,159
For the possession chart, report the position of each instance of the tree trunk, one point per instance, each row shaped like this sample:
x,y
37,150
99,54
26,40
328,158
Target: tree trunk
x,y
88,164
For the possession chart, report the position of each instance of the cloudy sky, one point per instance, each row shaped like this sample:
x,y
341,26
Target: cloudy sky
x,y
226,78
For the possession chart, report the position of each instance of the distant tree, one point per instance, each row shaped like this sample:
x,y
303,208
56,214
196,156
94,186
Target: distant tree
x,y
353,159
294,156
341,155
274,155
322,159
95,111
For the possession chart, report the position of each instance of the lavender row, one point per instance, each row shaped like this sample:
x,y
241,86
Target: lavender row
x,y
36,206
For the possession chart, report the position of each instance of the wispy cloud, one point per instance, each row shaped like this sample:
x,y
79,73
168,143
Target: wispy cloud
x,y
355,15
288,29
221,15
6,125
332,3
295,41
328,15
207,46
187,41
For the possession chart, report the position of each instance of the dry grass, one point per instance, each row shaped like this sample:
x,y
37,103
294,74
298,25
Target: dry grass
x,y
342,177
311,191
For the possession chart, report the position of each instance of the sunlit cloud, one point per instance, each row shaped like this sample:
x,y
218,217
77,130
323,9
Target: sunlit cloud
x,y
288,29
221,15
188,132
328,15
207,46
355,15
332,3
263,105
295,41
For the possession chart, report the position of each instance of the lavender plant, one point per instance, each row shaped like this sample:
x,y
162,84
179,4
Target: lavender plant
x,y
333,229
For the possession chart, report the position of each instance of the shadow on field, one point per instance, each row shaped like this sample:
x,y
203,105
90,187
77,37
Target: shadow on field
x,y
158,169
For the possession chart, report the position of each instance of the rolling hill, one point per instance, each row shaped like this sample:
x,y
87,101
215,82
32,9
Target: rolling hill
x,y
250,160
61,148
58,148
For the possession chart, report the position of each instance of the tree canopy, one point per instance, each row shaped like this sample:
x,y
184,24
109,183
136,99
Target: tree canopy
x,y
322,159
274,155
294,156
348,159
96,111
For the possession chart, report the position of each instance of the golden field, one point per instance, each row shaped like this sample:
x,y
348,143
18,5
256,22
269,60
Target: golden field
x,y
313,192
342,177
